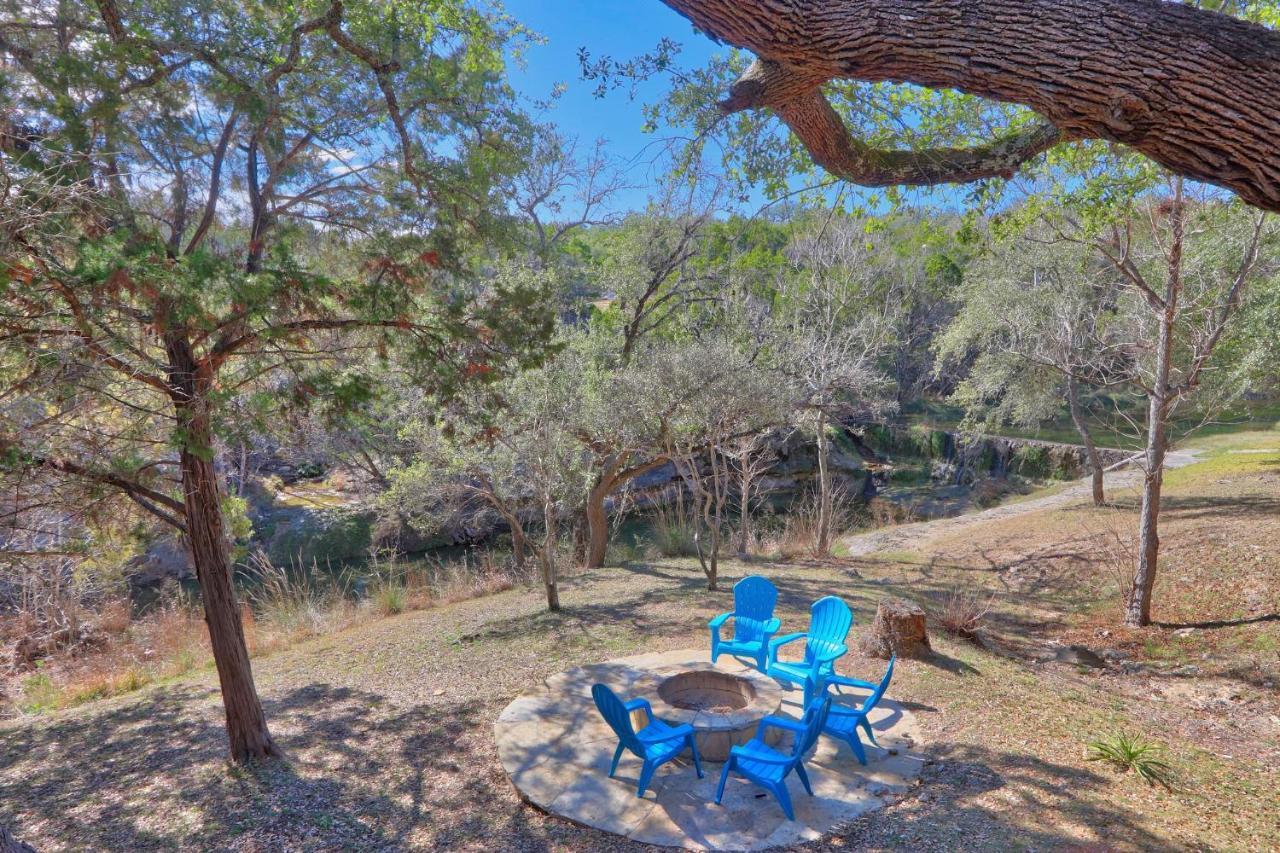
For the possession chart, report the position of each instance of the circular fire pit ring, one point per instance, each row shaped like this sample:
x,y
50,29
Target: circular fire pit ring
x,y
724,708
558,751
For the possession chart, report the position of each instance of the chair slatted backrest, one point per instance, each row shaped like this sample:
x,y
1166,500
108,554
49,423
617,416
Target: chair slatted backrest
x,y
829,622
870,701
615,713
815,717
754,598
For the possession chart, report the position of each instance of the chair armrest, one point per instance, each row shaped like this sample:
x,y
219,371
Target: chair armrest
x,y
845,711
783,723
771,627
778,642
778,723
846,681
719,620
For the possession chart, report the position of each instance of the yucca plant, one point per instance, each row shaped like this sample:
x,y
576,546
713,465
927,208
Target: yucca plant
x,y
1133,752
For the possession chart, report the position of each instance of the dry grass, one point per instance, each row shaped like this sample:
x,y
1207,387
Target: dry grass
x,y
800,535
388,724
964,612
282,609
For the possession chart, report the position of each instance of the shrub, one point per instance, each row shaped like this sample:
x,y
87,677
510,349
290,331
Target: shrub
x,y
964,612
390,597
1032,460
115,616
39,694
1131,752
801,527
293,602
626,552
673,534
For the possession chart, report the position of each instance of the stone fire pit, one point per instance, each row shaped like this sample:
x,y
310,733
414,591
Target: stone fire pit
x,y
557,749
724,708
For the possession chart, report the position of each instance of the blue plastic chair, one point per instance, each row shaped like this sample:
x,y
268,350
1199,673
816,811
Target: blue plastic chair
x,y
844,722
824,643
769,767
753,622
655,744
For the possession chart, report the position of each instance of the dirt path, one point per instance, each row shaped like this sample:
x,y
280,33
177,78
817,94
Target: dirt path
x,y
908,537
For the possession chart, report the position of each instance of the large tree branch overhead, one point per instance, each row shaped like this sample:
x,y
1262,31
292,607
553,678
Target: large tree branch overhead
x,y
1196,91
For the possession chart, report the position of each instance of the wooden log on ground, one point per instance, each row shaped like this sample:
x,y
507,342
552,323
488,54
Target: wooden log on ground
x,y
900,628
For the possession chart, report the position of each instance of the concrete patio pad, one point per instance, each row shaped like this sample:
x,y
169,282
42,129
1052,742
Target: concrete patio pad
x,y
556,748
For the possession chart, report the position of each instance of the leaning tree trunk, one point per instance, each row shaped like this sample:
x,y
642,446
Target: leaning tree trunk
x,y
1193,90
1086,436
611,478
598,521
207,538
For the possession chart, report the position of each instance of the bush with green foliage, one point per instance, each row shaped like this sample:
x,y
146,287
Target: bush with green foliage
x,y
1132,752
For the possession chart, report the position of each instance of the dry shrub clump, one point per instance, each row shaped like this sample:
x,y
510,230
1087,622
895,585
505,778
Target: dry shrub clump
x,y
674,533
1115,542
280,607
964,612
802,526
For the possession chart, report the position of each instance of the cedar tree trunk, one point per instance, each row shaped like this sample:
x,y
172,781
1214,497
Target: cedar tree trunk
x,y
207,538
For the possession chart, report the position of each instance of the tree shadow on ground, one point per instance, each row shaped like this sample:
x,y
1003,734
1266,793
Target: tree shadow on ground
x,y
954,809
362,774
1220,623
1193,507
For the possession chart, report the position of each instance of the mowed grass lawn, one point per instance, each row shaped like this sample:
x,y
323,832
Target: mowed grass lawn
x,y
388,725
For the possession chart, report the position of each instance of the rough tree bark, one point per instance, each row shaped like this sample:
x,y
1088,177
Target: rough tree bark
x,y
247,732
1193,90
900,628
611,478
1086,436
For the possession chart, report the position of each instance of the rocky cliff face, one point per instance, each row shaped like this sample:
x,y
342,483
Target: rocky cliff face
x,y
962,459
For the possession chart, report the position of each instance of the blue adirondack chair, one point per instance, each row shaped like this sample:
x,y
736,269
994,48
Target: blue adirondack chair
x,y
655,744
753,622
769,767
843,722
824,643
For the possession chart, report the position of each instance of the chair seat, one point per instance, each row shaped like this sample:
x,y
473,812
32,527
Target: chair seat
x,y
660,750
843,723
790,671
749,763
748,647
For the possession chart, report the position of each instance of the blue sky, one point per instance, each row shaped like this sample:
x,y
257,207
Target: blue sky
x,y
617,28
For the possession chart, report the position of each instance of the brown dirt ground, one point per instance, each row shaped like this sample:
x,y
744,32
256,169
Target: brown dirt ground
x,y
388,724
